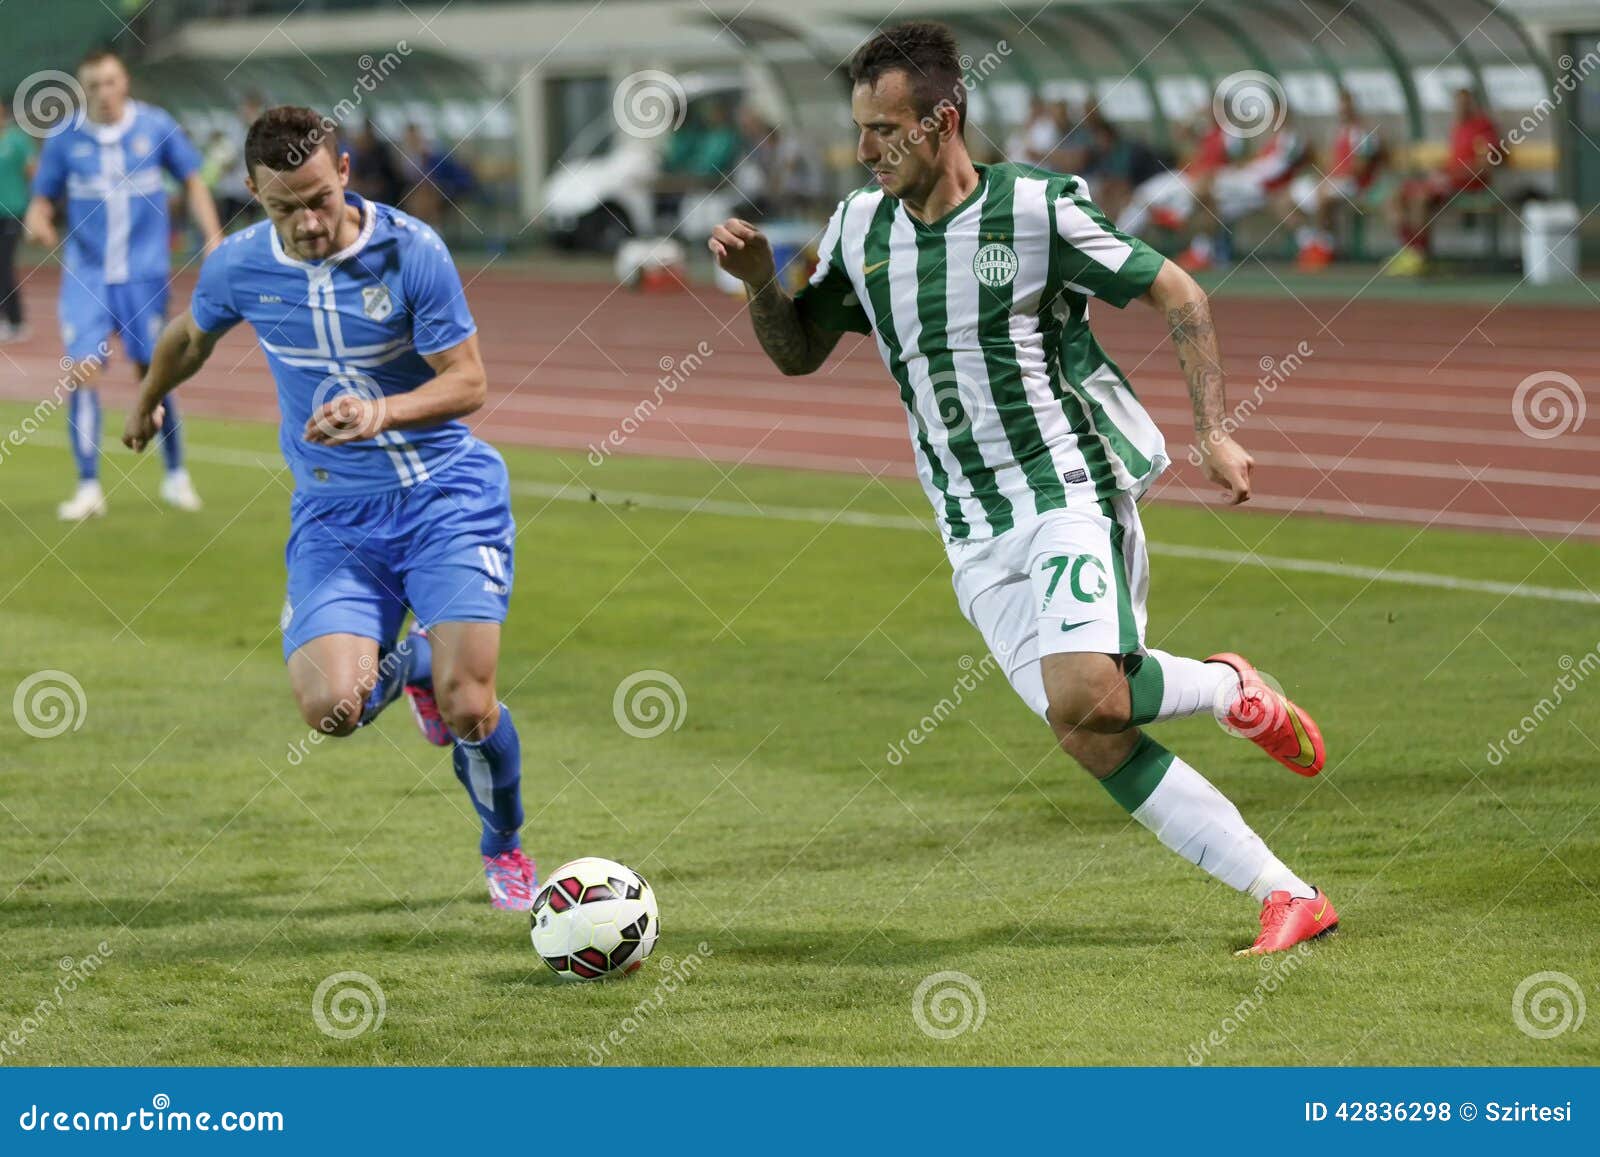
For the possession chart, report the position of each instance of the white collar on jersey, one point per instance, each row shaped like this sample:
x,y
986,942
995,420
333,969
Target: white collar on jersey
x,y
112,133
369,219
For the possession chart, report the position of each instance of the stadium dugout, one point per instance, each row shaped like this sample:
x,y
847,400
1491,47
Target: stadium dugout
x,y
514,85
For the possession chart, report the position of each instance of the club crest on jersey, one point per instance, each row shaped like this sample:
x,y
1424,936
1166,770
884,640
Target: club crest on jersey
x,y
376,302
995,264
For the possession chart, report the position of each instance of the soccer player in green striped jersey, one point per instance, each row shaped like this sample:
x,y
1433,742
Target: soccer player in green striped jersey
x,y
976,282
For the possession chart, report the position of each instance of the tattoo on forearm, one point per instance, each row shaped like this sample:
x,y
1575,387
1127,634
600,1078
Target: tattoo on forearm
x,y
781,330
1195,338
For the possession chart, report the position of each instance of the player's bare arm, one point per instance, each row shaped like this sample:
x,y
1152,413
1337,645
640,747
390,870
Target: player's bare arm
x,y
459,387
180,352
1188,312
203,211
39,222
795,344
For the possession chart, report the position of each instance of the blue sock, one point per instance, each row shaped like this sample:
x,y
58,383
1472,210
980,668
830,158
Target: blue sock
x,y
491,771
171,435
83,430
420,665
396,667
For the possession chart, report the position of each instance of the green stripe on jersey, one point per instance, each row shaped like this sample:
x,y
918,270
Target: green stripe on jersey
x,y
933,268
876,254
997,222
1054,333
1127,625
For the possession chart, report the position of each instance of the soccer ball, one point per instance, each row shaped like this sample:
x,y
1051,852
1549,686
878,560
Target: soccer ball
x,y
594,918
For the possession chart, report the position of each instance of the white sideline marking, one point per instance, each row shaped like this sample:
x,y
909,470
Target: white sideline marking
x,y
572,492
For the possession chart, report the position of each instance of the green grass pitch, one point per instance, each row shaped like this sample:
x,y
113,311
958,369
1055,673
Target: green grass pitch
x,y
228,873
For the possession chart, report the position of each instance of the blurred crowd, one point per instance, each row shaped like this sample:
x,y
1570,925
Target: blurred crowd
x,y
415,173
772,172
1219,175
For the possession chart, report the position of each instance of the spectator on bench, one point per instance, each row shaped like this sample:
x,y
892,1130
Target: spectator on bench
x,y
1355,155
1475,149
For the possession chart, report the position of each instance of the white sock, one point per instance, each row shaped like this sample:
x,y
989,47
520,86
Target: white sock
x,y
1195,820
1275,877
1165,686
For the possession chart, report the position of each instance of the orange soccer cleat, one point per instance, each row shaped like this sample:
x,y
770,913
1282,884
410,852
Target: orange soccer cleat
x,y
1270,720
1287,920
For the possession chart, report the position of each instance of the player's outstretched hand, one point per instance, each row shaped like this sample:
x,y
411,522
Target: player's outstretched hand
x,y
743,250
1227,464
140,428
346,418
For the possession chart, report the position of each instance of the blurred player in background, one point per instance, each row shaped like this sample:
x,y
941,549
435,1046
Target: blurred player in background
x,y
1237,190
1032,447
109,164
1475,149
16,166
1355,155
1165,199
361,315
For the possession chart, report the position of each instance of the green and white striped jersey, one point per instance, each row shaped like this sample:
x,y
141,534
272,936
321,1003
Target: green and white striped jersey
x,y
982,318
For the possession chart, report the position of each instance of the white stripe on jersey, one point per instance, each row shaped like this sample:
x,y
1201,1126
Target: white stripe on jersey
x,y
119,213
974,391
1029,204
1079,230
903,286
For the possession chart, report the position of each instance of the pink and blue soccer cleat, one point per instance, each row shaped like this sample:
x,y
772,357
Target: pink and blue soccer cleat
x,y
424,707
513,879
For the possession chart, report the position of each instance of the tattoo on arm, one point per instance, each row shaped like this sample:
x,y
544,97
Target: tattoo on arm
x,y
1195,338
794,344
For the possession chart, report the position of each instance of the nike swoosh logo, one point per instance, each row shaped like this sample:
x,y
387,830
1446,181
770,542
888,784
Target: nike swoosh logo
x,y
1320,914
1307,756
1075,626
869,270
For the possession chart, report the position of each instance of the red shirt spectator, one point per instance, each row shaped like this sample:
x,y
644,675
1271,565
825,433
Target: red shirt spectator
x,y
1471,140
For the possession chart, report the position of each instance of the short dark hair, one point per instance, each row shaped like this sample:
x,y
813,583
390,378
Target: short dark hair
x,y
96,55
286,137
928,54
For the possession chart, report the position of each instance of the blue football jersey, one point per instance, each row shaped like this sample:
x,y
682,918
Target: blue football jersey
x,y
358,322
117,222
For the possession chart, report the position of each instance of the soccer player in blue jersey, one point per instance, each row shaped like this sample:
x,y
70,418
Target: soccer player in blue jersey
x,y
109,163
361,314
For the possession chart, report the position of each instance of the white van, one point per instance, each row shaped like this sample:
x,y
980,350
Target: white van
x,y
595,202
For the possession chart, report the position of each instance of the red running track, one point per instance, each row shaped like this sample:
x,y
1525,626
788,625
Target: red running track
x,y
1392,411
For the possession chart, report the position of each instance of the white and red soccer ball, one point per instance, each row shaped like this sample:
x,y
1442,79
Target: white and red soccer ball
x,y
594,918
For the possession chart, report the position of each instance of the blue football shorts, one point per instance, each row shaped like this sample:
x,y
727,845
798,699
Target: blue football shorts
x,y
91,312
441,549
